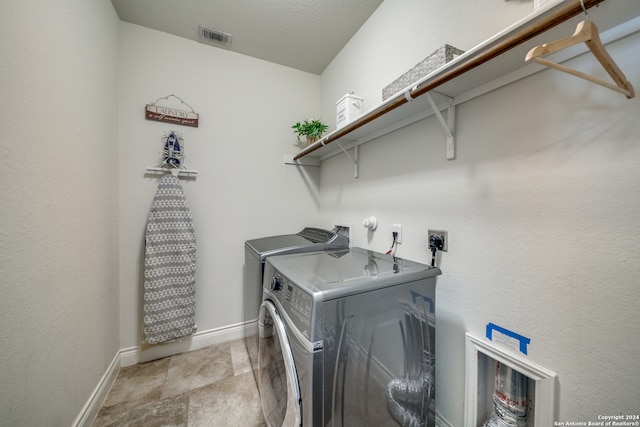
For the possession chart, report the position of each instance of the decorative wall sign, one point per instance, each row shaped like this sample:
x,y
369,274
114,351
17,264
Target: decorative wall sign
x,y
171,115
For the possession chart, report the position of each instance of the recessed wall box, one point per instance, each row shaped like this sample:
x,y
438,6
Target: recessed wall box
x,y
348,108
482,359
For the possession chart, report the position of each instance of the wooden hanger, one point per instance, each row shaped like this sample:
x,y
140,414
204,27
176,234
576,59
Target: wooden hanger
x,y
586,32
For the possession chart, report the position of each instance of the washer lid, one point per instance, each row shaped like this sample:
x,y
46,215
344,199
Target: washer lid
x,y
284,242
335,274
309,239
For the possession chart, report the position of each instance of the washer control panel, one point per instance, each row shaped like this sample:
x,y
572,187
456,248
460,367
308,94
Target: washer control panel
x,y
297,303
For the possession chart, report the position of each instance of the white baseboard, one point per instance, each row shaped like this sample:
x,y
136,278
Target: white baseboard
x,y
133,355
95,401
442,421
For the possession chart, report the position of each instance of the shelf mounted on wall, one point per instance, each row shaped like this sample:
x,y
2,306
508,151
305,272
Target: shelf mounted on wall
x,y
312,161
433,103
354,159
496,62
448,125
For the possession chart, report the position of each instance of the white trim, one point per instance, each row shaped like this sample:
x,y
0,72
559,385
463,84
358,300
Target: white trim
x,y
442,421
545,380
133,355
96,399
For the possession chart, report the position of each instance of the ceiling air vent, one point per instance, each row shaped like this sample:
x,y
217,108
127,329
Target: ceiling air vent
x,y
215,36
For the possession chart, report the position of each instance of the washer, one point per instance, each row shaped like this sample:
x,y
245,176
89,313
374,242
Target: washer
x,y
256,251
347,338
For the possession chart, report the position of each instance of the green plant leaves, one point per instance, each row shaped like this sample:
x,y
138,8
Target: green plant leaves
x,y
313,128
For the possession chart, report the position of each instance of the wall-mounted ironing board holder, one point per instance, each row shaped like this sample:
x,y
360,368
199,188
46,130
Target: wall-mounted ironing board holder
x,y
174,171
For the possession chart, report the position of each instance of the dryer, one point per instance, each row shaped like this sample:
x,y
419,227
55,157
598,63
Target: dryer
x,y
347,339
256,251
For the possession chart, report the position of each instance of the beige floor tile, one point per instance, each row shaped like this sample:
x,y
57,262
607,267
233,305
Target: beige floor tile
x,y
136,385
239,357
230,402
171,412
213,386
195,369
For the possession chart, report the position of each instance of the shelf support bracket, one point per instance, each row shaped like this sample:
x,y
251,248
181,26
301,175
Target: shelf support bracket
x,y
448,125
307,161
354,159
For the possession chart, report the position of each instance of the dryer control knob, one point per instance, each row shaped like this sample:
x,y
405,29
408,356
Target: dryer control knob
x,y
276,283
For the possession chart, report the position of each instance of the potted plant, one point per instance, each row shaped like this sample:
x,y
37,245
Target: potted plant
x,y
312,130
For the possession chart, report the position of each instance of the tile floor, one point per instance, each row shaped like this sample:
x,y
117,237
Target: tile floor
x,y
213,386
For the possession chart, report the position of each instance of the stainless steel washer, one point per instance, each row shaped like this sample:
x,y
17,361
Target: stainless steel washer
x,y
256,251
347,338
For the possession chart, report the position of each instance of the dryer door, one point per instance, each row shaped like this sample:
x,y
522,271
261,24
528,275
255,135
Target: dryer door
x,y
277,378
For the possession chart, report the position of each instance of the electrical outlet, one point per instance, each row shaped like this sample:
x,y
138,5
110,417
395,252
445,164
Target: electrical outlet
x,y
443,234
397,228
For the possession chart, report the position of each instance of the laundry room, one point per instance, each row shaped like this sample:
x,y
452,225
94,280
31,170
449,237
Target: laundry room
x,y
533,173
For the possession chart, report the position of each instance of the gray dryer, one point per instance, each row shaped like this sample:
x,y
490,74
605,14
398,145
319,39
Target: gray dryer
x,y
256,251
347,339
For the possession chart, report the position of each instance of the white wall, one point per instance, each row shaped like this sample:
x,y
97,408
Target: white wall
x,y
242,190
400,34
542,209
524,203
59,214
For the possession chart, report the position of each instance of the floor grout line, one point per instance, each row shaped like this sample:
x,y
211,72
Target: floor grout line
x,y
210,386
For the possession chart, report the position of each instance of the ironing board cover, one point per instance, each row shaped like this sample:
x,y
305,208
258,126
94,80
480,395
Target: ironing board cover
x,y
170,266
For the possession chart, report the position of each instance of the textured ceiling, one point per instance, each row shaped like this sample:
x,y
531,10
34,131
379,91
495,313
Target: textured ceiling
x,y
303,34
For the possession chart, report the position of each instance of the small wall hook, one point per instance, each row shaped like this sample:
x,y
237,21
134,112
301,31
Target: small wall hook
x,y
371,223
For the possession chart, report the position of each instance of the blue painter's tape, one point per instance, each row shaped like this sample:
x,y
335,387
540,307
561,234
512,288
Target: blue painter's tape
x,y
415,296
524,341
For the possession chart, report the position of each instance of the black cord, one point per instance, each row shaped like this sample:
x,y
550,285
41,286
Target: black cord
x,y
435,243
394,243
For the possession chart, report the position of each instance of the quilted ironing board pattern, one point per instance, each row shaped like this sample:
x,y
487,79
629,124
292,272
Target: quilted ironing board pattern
x,y
170,266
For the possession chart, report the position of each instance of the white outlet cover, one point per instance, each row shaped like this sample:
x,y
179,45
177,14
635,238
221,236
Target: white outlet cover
x,y
397,228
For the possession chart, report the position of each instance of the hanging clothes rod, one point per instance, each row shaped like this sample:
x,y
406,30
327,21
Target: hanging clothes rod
x,y
460,67
174,171
586,32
